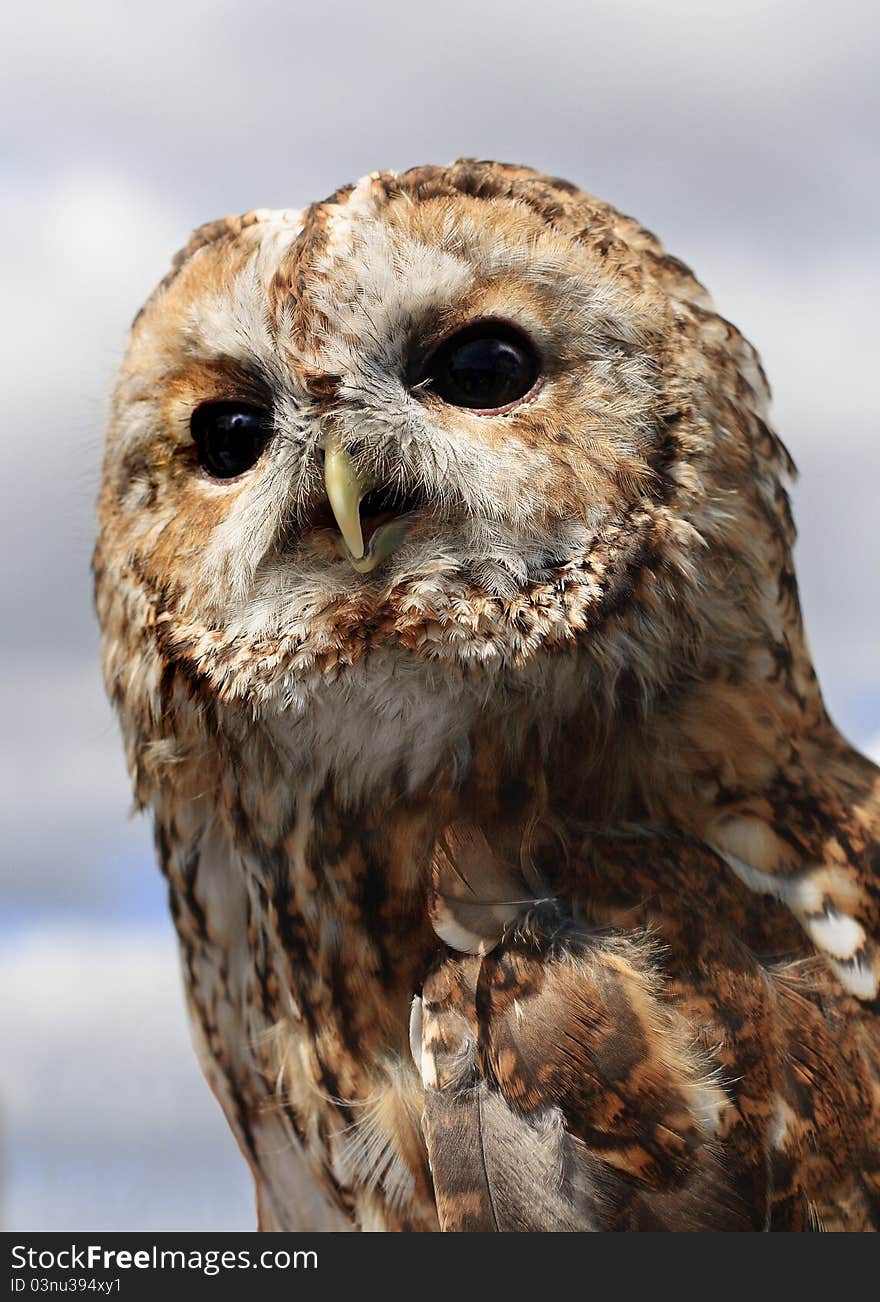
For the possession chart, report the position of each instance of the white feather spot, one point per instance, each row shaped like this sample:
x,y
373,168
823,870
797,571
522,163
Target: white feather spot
x,y
835,933
415,1032
779,1123
858,977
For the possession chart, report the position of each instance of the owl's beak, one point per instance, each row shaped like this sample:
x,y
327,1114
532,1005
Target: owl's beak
x,y
345,491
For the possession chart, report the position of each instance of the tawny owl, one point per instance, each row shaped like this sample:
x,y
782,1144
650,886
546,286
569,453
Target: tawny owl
x,y
445,579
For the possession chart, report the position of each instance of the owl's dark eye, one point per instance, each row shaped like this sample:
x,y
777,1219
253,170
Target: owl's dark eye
x,y
487,367
229,437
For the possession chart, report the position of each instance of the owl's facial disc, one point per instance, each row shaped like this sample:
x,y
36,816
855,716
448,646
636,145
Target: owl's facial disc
x,y
346,490
469,414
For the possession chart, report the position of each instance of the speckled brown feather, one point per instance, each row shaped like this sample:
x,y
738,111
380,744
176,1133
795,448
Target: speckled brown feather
x,y
559,767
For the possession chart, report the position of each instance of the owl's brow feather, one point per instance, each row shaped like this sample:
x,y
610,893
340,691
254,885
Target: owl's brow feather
x,y
306,453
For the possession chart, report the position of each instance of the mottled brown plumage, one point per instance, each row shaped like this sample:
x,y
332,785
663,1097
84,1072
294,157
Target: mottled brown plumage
x,y
522,880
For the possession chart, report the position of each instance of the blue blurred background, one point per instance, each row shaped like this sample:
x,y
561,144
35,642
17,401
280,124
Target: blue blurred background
x,y
745,135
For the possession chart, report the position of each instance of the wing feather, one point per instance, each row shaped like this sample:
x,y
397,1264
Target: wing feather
x,y
548,1109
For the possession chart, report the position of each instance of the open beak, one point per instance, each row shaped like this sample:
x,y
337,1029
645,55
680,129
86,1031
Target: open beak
x,y
345,491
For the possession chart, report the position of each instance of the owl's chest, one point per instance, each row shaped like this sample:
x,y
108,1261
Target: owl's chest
x,y
303,895
303,953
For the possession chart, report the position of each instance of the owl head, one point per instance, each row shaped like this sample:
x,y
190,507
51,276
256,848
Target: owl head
x,y
466,416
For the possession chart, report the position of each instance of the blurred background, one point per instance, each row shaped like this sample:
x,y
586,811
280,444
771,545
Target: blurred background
x,y
746,135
